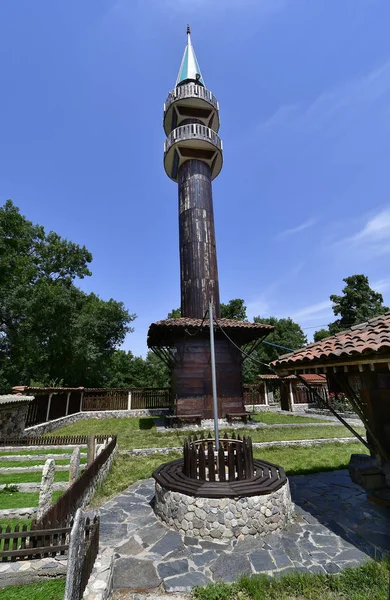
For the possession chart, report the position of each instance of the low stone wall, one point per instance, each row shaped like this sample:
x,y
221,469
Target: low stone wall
x,y
18,513
92,414
225,518
12,420
25,572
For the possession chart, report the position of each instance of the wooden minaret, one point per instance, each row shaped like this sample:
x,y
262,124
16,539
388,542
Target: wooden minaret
x,y
193,158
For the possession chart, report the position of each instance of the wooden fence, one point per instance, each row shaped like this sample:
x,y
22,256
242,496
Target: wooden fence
x,y
254,394
21,543
57,440
91,549
49,406
233,461
65,507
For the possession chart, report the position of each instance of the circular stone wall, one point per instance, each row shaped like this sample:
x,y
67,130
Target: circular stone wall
x,y
224,518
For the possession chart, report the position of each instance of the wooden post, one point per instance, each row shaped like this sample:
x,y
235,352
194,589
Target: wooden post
x,y
90,449
81,401
265,393
291,397
48,407
67,405
129,401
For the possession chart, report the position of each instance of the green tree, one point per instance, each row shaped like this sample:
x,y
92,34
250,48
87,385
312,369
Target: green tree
x,y
321,334
287,334
358,303
127,370
175,313
234,309
50,329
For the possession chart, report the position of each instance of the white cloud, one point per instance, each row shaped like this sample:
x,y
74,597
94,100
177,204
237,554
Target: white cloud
x,y
373,238
313,311
305,225
381,285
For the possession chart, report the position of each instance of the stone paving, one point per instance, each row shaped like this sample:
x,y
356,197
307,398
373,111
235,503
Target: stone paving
x,y
335,526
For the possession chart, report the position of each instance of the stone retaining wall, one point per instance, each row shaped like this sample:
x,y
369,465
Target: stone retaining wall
x,y
91,414
225,518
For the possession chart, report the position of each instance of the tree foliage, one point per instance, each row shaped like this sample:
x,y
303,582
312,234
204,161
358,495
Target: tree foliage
x,y
127,370
234,309
175,313
287,333
49,328
358,304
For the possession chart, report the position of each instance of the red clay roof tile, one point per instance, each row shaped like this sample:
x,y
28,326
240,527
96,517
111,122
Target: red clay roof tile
x,y
366,338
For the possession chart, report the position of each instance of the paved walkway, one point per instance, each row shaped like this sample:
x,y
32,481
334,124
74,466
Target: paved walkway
x,y
335,527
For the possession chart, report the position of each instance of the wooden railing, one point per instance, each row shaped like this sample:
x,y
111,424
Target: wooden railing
x,y
233,461
91,549
254,394
151,398
65,507
57,440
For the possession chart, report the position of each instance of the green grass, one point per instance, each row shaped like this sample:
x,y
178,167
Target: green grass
x,y
368,582
126,470
272,418
34,463
11,478
33,452
13,522
141,433
43,590
21,499
302,461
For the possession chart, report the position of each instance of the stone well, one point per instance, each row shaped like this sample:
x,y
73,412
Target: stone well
x,y
222,495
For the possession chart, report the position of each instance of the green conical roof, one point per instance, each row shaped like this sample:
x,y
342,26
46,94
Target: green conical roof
x,y
189,68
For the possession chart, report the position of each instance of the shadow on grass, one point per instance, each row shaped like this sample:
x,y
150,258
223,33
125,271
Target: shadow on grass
x,y
146,423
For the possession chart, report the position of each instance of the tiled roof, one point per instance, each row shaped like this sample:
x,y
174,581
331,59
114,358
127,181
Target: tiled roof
x,y
225,323
371,337
163,332
14,399
309,377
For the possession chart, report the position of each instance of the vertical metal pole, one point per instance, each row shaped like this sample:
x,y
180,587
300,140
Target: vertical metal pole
x,y
213,376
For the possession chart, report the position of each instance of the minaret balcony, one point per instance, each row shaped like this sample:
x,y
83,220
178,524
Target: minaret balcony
x,y
192,142
191,101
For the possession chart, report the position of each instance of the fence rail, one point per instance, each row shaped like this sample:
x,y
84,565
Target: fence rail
x,y
23,543
91,548
65,507
58,440
254,394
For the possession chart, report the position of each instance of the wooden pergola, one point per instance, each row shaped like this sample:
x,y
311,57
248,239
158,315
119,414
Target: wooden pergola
x,y
357,363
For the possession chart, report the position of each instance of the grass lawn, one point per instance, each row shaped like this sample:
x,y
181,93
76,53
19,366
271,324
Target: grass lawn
x,y
43,590
273,418
34,463
369,582
22,499
13,522
126,470
11,478
141,432
53,450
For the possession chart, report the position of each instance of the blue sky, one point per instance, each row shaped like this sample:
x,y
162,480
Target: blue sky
x,y
303,197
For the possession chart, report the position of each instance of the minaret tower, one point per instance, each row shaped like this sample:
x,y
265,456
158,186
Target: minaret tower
x,y
193,158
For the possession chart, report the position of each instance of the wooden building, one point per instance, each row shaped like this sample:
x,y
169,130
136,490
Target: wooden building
x,y
184,344
294,395
357,363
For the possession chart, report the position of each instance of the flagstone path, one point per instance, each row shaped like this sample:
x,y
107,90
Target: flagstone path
x,y
335,527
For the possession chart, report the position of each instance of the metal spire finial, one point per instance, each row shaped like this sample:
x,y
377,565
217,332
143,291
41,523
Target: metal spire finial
x,y
188,30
